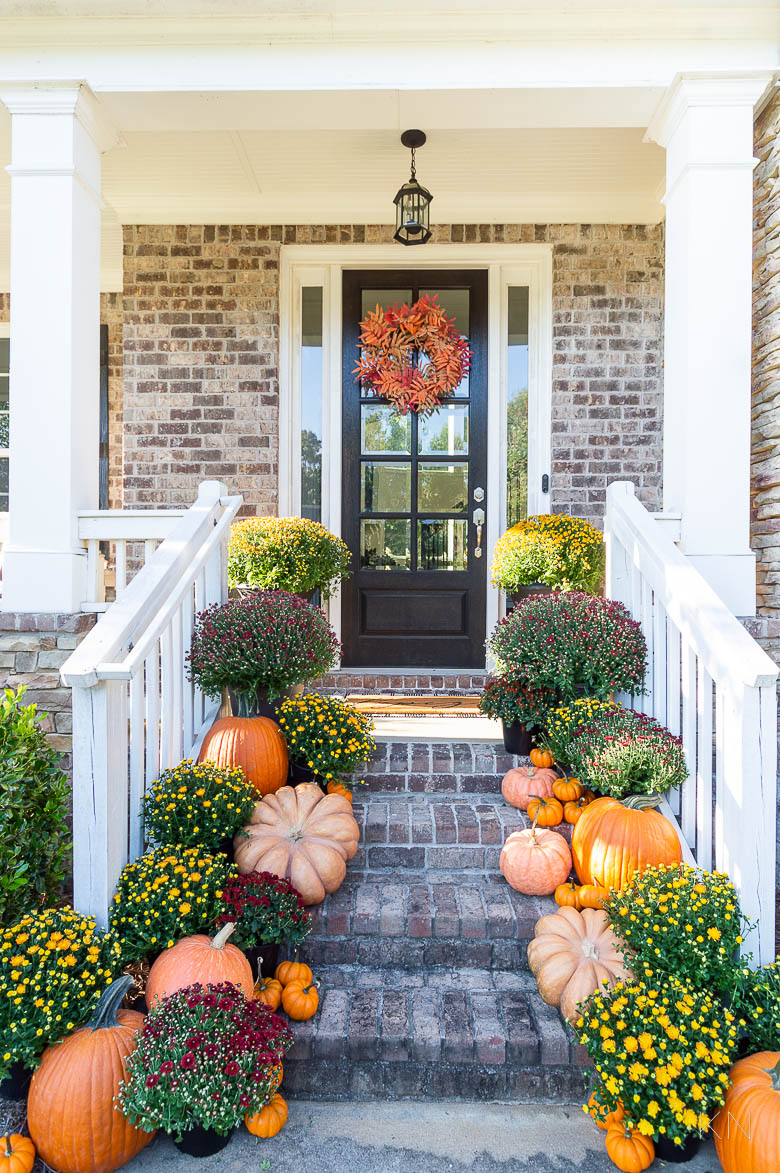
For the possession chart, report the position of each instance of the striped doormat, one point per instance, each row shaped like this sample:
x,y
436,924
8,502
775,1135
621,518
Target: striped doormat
x,y
407,705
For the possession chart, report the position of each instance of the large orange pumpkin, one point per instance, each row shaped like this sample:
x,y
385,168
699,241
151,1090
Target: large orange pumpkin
x,y
613,840
71,1114
303,835
207,960
523,782
535,861
747,1128
255,744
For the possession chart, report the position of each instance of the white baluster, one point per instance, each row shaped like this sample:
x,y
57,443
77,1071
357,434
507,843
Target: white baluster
x,y
704,767
166,700
137,775
177,689
120,566
152,674
688,801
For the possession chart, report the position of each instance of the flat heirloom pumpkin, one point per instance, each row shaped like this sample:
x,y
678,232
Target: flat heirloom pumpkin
x,y
572,955
71,1114
747,1128
302,835
612,840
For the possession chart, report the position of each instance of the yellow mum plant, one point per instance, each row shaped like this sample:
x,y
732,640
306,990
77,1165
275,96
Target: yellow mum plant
x,y
288,554
565,553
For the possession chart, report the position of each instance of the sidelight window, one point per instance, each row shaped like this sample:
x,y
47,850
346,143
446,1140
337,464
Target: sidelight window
x,y
517,405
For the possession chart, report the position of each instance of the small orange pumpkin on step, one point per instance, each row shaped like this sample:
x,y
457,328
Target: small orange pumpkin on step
x,y
270,1120
547,812
267,990
293,971
300,1000
568,789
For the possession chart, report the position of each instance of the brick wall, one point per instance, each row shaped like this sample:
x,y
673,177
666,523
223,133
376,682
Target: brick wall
x,y
201,355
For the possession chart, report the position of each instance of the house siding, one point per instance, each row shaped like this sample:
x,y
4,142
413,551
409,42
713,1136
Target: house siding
x,y
201,355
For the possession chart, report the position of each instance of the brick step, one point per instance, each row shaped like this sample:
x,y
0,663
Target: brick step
x,y
471,922
421,767
439,1034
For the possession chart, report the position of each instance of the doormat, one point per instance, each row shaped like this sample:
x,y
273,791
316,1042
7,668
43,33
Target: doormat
x,y
404,705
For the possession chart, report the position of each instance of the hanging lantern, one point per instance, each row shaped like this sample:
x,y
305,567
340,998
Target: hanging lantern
x,y
413,201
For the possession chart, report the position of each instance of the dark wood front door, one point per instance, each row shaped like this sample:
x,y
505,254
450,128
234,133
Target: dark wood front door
x,y
416,597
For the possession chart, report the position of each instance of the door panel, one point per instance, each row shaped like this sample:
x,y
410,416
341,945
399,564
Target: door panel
x,y
416,597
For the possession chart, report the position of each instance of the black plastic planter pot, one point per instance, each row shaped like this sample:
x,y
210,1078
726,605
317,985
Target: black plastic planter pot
x,y
675,1154
16,1083
225,847
528,591
301,773
267,954
201,1142
517,738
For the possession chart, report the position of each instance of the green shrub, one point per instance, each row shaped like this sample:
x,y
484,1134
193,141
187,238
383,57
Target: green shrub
x,y
33,812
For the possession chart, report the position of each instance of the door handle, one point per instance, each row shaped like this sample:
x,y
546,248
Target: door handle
x,y
478,517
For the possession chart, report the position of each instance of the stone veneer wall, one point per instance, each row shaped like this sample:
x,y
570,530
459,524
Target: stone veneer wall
x,y
201,355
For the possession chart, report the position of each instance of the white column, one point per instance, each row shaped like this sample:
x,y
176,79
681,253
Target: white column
x,y
57,138
706,126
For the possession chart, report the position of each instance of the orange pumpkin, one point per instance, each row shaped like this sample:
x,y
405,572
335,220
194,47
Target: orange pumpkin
x,y
547,812
269,1120
17,1153
303,835
567,895
293,971
207,960
73,1120
600,1113
523,781
542,757
568,789
300,1000
613,840
278,1074
268,991
573,810
535,861
747,1128
255,744
592,896
334,787
588,795
628,1149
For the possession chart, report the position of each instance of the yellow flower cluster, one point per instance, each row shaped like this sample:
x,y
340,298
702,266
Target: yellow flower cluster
x,y
167,894
330,736
197,804
563,720
566,553
285,553
663,1053
54,965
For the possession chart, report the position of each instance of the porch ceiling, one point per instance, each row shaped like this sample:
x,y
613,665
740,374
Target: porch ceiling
x,y
520,156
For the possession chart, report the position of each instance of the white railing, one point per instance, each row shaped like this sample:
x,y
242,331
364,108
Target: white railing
x,y
134,711
713,686
129,538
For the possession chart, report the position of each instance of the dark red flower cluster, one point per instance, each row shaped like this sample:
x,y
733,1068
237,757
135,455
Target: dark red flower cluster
x,y
509,700
265,909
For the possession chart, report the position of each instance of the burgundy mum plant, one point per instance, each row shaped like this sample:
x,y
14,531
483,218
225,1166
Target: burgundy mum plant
x,y
265,909
270,640
573,644
206,1057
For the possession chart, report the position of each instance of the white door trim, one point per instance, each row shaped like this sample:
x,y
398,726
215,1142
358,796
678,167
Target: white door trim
x,y
507,265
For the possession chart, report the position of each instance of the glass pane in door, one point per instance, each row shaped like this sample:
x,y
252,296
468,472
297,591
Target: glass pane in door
x,y
386,487
445,431
457,303
385,544
442,544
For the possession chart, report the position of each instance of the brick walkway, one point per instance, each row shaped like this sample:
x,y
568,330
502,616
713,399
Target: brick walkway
x,y
421,953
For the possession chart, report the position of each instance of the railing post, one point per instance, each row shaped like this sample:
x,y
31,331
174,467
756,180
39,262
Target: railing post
x,y
618,570
100,800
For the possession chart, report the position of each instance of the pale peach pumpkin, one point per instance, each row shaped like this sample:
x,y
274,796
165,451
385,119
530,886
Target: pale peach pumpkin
x,y
525,782
535,861
303,835
572,955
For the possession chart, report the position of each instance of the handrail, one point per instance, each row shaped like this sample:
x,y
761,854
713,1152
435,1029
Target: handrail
x,y
722,643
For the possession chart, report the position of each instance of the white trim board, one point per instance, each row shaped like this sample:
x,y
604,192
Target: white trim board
x,y
507,265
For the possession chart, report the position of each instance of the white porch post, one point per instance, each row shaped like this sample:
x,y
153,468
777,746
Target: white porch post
x,y
706,126
57,138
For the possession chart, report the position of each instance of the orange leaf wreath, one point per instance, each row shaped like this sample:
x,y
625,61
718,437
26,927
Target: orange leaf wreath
x,y
412,355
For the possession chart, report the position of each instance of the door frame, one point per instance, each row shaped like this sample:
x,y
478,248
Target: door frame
x,y
507,265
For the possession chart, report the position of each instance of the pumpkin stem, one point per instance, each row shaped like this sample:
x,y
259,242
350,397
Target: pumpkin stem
x,y
110,1001
222,936
9,1152
642,802
774,1075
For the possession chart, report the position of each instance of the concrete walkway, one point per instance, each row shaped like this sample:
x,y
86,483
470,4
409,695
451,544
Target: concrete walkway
x,y
404,1137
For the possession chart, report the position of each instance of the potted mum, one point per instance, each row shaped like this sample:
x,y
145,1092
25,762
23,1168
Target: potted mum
x,y
288,554
206,1058
198,804
549,552
267,912
572,644
258,648
327,738
520,710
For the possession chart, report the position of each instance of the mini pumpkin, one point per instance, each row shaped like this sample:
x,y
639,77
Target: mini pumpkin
x,y
592,896
572,955
73,1120
268,991
535,861
293,971
628,1148
300,1000
612,840
600,1113
520,783
17,1153
269,1120
568,789
567,895
254,744
572,810
542,757
334,787
208,960
547,812
747,1128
